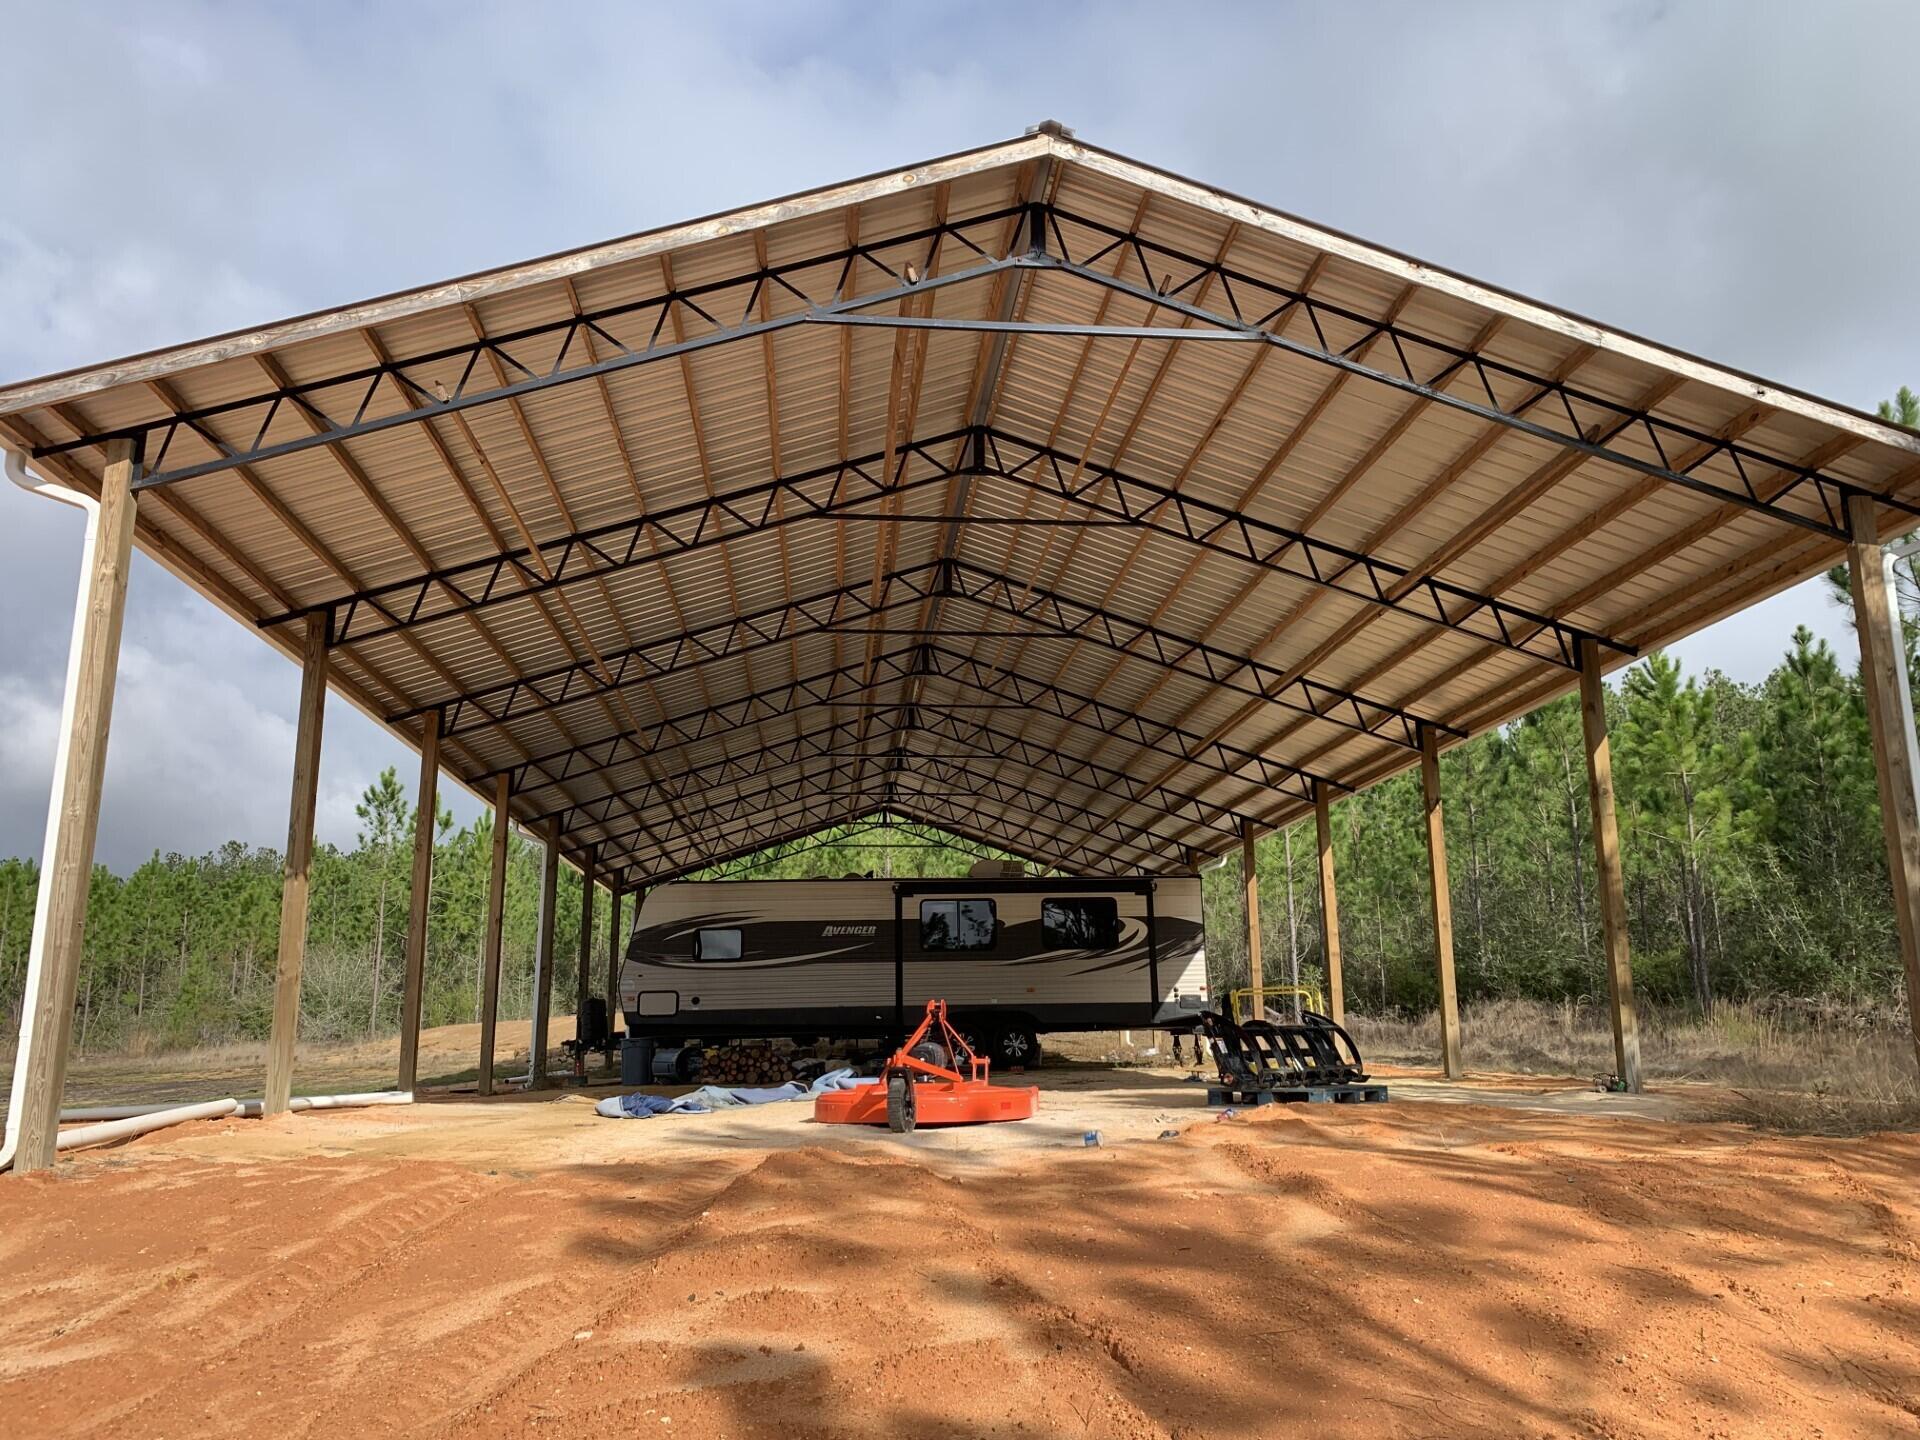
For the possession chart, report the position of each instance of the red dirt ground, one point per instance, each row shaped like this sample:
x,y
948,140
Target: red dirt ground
x,y
1415,1269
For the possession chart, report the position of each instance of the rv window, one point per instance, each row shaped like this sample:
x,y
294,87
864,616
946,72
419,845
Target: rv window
x,y
956,924
1079,924
716,944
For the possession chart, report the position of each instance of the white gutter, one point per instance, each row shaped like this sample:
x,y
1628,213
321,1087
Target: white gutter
x,y
16,467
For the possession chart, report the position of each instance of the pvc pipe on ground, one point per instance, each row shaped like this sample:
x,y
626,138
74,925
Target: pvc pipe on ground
x,y
252,1108
249,1108
140,1124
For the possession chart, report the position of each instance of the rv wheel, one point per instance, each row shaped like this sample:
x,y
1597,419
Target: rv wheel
x,y
900,1106
1016,1045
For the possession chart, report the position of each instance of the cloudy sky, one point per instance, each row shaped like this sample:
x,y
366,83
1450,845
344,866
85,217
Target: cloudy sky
x,y
1735,179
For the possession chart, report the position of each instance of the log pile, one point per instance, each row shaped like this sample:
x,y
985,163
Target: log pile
x,y
745,1062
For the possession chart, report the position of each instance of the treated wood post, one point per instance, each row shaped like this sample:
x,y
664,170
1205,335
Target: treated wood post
x,y
1442,904
295,884
543,957
1613,887
1329,907
495,931
1883,675
583,990
60,919
613,968
1250,877
425,818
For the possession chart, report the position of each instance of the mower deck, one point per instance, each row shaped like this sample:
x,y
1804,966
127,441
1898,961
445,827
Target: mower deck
x,y
936,1102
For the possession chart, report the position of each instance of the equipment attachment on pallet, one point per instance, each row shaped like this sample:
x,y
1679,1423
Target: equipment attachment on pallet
x,y
1312,1060
923,1085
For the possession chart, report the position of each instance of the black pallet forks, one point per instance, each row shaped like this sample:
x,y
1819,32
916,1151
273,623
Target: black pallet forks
x,y
1261,1062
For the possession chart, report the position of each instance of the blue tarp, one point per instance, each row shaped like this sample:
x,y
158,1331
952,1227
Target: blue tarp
x,y
714,1097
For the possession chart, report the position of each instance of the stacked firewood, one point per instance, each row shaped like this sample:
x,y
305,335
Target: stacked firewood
x,y
745,1062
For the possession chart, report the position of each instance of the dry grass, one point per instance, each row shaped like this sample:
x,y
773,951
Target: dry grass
x,y
1787,1068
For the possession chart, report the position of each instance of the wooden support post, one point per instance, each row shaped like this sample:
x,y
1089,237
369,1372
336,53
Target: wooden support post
x,y
295,881
1883,674
583,990
495,931
60,918
1442,904
1250,877
1329,908
426,817
543,957
615,943
1613,887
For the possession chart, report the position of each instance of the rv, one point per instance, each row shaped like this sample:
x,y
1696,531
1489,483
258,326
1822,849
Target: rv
x,y
855,959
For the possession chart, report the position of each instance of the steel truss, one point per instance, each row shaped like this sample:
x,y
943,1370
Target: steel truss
x,y
1104,495
970,738
846,609
843,682
1426,364
912,837
543,357
890,770
554,354
758,837
814,807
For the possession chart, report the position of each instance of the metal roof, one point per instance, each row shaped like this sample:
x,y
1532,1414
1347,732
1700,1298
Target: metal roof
x,y
1030,492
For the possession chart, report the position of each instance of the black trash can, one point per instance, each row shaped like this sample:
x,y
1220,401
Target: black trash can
x,y
636,1059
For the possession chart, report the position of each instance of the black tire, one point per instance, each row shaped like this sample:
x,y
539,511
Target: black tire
x,y
900,1105
1017,1044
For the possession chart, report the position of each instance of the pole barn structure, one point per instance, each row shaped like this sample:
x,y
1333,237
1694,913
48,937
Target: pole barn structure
x,y
1031,493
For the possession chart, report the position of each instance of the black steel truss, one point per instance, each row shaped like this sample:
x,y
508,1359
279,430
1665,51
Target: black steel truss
x,y
889,771
815,808
1426,364
754,839
970,738
901,835
1129,500
1103,495
849,609
844,682
824,612
1057,614
544,356
827,491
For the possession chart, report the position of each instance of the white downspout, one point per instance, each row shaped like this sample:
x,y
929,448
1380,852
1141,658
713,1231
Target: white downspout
x,y
16,467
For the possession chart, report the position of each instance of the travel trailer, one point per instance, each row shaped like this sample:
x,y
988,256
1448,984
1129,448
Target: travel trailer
x,y
853,959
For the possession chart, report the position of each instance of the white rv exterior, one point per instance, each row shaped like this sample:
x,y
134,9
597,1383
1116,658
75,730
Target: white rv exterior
x,y
718,959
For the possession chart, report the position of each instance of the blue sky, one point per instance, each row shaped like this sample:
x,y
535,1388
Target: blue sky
x,y
1733,179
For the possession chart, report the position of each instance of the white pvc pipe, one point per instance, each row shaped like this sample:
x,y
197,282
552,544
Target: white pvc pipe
x,y
140,1124
254,1108
16,468
249,1108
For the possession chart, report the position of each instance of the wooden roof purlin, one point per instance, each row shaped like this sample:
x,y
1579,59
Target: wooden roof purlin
x,y
1030,492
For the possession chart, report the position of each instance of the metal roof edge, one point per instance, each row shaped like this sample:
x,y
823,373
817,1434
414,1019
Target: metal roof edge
x,y
1487,297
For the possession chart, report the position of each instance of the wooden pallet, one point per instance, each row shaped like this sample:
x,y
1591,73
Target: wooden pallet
x,y
1297,1095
